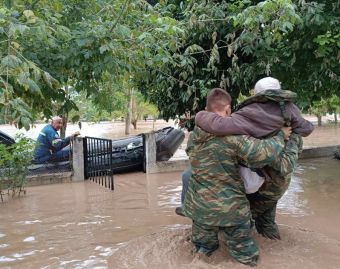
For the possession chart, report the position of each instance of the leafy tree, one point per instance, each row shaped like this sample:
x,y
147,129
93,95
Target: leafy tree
x,y
308,61
319,109
50,46
332,105
23,84
88,111
141,108
232,44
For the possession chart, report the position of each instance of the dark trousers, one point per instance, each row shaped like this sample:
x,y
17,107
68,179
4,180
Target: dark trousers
x,y
59,156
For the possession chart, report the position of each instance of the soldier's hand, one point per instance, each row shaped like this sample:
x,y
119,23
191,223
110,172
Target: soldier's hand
x,y
287,132
182,122
75,134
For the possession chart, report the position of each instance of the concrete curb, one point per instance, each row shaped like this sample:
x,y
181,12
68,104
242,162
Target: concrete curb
x,y
50,178
181,165
319,152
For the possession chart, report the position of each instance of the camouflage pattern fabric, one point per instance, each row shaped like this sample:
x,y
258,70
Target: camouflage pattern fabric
x,y
263,211
216,194
269,95
242,246
263,203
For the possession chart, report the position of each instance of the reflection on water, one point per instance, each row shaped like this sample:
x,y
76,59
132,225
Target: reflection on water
x,y
169,195
293,202
80,225
314,189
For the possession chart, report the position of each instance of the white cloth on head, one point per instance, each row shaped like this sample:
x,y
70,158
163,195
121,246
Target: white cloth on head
x,y
252,181
267,83
56,118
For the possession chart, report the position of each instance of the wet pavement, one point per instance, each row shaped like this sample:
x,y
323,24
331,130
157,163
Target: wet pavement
x,y
84,225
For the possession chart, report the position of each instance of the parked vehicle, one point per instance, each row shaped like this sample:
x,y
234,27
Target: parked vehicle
x,y
6,139
127,153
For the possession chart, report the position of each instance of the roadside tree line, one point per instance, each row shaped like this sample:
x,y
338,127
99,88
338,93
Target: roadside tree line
x,y
57,56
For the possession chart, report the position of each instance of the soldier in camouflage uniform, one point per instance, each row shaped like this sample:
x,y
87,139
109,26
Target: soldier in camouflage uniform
x,y
216,197
261,116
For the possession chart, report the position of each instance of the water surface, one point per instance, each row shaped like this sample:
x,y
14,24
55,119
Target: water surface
x,y
83,225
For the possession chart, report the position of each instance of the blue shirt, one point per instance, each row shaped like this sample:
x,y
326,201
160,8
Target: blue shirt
x,y
49,142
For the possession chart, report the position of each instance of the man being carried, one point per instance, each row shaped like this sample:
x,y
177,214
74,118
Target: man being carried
x,y
260,116
50,147
216,198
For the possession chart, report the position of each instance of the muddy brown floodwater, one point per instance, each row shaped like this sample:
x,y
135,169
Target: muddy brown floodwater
x,y
83,225
328,134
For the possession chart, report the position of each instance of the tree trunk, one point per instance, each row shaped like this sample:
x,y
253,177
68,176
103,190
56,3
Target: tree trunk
x,y
336,117
64,126
319,120
128,114
65,117
134,123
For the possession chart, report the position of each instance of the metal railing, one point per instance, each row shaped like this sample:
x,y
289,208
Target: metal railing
x,y
98,163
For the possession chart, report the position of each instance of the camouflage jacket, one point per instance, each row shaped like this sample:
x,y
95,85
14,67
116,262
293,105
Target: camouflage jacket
x,y
269,95
216,194
278,176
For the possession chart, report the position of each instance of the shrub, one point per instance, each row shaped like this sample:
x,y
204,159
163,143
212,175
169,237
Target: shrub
x,y
14,162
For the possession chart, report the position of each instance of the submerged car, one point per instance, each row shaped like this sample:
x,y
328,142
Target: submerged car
x,y
127,154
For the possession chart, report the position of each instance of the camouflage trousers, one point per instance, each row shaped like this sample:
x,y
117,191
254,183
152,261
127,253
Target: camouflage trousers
x,y
242,246
263,211
263,203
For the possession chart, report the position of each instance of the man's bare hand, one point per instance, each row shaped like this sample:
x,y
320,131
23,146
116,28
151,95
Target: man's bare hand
x,y
75,134
287,132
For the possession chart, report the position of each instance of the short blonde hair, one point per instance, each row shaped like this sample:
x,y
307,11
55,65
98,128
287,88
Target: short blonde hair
x,y
218,98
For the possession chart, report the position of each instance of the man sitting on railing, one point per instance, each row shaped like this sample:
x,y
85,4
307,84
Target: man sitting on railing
x,y
50,147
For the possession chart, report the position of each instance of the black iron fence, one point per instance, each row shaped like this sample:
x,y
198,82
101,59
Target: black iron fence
x,y
98,161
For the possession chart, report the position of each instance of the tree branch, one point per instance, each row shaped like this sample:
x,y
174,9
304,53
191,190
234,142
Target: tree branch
x,y
120,15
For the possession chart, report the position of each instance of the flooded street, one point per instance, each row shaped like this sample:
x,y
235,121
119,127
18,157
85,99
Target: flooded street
x,y
83,225
328,134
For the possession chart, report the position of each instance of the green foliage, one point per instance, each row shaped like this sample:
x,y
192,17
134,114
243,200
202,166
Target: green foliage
x,y
14,163
232,44
141,108
319,108
48,46
110,104
326,105
87,110
309,56
333,104
21,79
172,51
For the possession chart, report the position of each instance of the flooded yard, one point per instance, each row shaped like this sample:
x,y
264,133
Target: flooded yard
x,y
83,225
328,134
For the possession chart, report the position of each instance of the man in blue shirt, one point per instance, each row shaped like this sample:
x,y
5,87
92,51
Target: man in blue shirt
x,y
50,147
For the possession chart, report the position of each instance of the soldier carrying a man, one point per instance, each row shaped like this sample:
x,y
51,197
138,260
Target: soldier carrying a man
x,y
216,198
